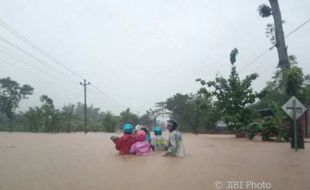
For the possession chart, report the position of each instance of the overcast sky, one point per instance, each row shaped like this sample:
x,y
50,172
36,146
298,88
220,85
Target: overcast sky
x,y
139,52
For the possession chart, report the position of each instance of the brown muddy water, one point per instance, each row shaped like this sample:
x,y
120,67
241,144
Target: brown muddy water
x,y
89,162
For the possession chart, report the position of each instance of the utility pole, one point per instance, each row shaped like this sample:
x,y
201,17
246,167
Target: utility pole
x,y
84,83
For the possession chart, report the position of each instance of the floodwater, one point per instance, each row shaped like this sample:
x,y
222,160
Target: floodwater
x,y
89,162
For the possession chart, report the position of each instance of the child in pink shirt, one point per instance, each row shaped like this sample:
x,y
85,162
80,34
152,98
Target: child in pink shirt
x,y
141,147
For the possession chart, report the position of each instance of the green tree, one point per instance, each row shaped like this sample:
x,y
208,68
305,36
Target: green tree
x,y
192,111
305,97
128,117
11,93
94,116
32,119
69,117
4,122
284,84
295,80
148,119
48,113
181,110
232,96
109,122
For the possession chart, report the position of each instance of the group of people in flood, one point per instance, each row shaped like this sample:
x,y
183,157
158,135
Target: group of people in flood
x,y
138,141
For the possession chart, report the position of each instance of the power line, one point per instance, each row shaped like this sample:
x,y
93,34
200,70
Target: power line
x,y
19,58
293,31
33,73
41,62
269,49
21,69
256,58
107,96
30,55
28,42
16,57
112,99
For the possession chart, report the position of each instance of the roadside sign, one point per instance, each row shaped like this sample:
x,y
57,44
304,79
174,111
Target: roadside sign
x,y
299,108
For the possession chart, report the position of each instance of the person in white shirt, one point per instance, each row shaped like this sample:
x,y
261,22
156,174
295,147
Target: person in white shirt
x,y
175,142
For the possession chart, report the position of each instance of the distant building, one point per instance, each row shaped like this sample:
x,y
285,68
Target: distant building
x,y
266,112
220,124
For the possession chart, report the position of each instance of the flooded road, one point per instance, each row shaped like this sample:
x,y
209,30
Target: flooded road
x,y
89,162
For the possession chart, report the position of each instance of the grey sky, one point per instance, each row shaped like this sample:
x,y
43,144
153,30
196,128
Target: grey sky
x,y
141,52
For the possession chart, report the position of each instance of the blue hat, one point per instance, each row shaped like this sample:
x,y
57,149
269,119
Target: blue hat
x,y
128,128
158,131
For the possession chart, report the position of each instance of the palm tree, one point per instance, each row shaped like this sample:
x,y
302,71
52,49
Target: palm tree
x,y
274,10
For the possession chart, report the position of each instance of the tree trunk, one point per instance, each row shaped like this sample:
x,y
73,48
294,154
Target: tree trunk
x,y
197,121
280,39
10,125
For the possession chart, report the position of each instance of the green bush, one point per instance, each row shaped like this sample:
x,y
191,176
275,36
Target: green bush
x,y
267,128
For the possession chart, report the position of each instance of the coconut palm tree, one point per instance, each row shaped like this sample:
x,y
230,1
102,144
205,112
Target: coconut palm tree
x,y
274,10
